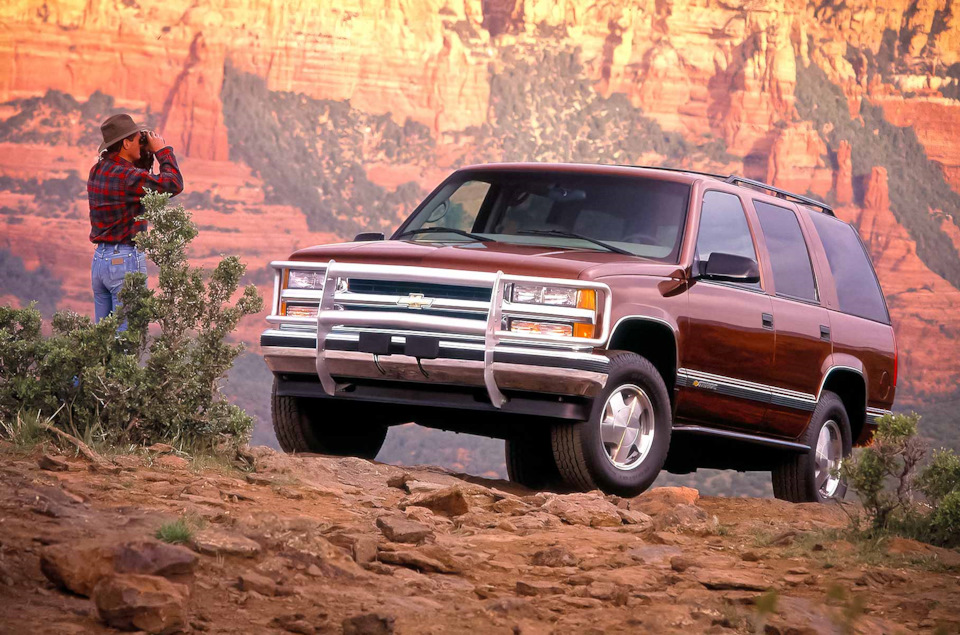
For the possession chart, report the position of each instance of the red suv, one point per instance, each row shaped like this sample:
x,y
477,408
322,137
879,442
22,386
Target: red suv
x,y
607,322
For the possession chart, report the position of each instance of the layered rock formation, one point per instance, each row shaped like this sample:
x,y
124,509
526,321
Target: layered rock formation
x,y
715,74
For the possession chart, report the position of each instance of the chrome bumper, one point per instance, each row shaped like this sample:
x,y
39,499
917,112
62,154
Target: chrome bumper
x,y
475,346
512,368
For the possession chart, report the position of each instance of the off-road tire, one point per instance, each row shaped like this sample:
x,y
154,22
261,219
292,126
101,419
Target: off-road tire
x,y
530,460
320,426
577,448
794,478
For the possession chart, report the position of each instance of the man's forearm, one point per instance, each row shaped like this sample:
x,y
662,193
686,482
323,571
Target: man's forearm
x,y
170,179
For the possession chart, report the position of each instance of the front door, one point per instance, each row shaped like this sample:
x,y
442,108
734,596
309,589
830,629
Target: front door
x,y
728,338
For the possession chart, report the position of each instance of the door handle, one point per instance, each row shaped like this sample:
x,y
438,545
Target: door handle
x,y
825,332
767,320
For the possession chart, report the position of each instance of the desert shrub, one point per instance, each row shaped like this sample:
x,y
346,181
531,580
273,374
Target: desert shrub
x,y
178,532
147,383
941,477
884,476
889,461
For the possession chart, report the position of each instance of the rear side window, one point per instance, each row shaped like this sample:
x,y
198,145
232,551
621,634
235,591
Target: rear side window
x,y
723,229
789,258
857,287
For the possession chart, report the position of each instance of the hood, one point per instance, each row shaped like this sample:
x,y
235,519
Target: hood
x,y
523,260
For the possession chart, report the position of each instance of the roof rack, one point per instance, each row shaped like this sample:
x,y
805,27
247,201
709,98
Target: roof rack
x,y
733,179
789,196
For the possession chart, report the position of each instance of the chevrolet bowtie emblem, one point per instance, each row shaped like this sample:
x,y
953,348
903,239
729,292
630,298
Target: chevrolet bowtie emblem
x,y
415,301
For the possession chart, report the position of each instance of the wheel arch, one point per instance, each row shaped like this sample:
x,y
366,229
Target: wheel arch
x,y
654,339
851,386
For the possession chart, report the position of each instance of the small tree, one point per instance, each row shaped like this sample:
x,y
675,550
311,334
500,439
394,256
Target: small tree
x,y
883,476
143,384
890,459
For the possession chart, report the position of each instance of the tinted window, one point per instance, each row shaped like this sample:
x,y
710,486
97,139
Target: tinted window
x,y
789,258
723,229
644,217
857,287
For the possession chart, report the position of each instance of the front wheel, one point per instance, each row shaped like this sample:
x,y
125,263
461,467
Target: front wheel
x,y
326,426
623,445
530,461
813,476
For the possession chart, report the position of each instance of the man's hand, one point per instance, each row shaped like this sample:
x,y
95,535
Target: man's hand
x,y
155,142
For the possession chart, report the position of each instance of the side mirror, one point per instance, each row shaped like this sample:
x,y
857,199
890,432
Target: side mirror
x,y
730,268
365,236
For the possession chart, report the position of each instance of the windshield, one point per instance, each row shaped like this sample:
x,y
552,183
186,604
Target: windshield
x,y
643,217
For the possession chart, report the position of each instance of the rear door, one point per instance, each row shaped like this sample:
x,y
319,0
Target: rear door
x,y
802,325
727,350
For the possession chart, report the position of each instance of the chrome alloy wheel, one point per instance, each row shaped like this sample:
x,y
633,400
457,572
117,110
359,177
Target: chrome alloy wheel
x,y
627,426
828,459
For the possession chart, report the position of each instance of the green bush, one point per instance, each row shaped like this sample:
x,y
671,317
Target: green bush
x,y
941,477
883,476
148,383
889,461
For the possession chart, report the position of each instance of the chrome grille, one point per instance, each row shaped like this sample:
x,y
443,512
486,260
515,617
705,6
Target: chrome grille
x,y
404,288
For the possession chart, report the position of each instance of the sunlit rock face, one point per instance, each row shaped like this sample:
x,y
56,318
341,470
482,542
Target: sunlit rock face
x,y
706,73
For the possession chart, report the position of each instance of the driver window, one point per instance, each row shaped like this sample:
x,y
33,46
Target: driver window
x,y
723,229
460,210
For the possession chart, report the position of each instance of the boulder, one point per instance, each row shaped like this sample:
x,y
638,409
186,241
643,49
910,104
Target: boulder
x,y
215,542
731,579
662,499
430,559
80,566
589,509
171,461
554,557
680,517
448,501
141,602
259,583
401,529
368,624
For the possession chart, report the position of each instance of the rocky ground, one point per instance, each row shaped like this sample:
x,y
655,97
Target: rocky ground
x,y
313,544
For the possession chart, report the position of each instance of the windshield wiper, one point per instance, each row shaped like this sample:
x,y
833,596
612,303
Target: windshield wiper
x,y
563,234
446,230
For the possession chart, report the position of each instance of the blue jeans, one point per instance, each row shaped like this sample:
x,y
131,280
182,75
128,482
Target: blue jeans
x,y
110,264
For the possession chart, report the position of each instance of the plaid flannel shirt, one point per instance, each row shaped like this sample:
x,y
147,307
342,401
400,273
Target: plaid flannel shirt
x,y
115,188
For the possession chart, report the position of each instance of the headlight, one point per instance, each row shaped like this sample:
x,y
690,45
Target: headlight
x,y
554,296
536,294
305,279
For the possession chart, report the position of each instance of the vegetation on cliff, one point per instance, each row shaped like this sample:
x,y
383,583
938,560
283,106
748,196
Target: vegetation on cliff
x,y
917,186
313,153
140,385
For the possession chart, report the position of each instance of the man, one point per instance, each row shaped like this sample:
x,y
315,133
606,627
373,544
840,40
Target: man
x,y
115,187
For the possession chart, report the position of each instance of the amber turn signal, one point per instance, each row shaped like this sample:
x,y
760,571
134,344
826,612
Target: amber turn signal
x,y
587,299
583,330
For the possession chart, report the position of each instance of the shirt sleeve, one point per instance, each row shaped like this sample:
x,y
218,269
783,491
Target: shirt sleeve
x,y
169,180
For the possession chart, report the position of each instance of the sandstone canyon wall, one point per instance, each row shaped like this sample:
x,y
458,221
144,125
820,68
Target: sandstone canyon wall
x,y
383,97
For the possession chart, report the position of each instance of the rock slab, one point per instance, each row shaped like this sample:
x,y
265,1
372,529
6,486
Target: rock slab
x,y
78,567
141,602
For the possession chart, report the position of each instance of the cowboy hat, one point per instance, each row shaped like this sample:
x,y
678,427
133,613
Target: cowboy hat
x,y
118,127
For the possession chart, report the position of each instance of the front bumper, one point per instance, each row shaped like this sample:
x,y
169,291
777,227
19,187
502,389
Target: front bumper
x,y
460,363
372,324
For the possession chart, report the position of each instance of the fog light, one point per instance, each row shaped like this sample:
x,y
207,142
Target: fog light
x,y
527,327
300,310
